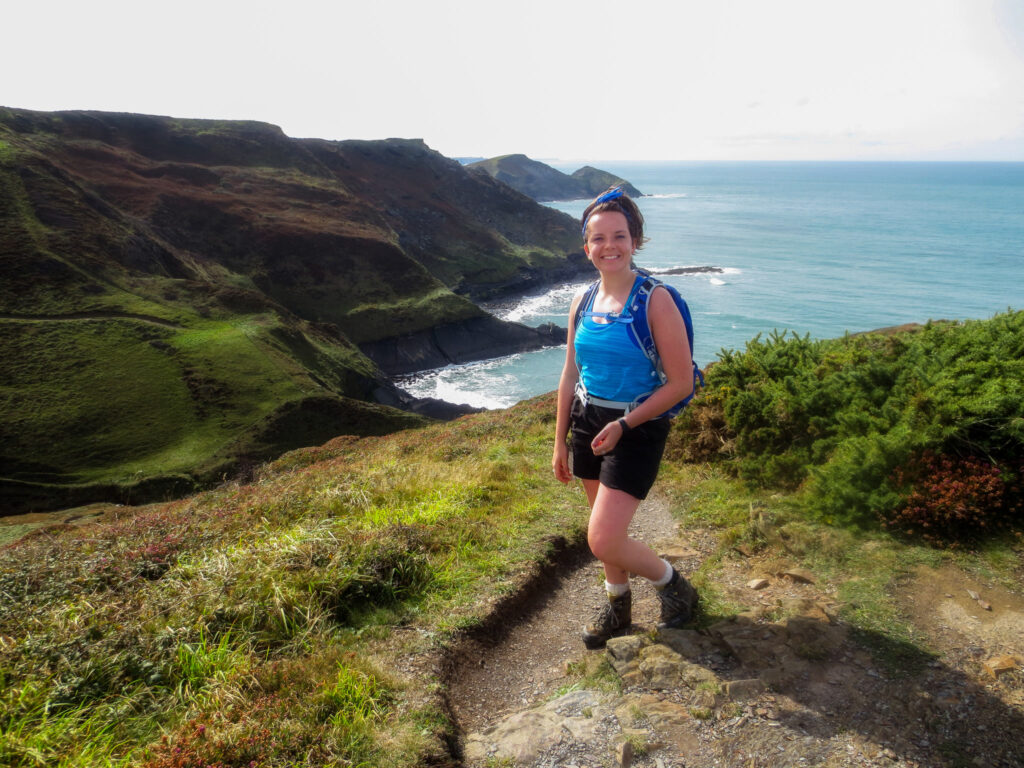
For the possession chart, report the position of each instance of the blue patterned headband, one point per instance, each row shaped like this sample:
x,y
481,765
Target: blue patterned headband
x,y
611,194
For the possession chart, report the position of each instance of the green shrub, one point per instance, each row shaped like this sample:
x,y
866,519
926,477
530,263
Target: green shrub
x,y
842,415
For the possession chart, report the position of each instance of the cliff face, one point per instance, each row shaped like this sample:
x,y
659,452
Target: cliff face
x,y
177,296
381,238
543,183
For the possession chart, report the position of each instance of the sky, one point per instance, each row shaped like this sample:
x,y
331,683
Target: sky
x,y
558,80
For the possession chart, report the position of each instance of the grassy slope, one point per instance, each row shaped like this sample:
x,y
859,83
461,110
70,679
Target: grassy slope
x,y
111,377
198,396
272,621
267,616
492,250
191,390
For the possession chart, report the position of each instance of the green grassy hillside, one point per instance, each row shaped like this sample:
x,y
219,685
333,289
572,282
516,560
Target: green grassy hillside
x,y
181,297
94,407
265,615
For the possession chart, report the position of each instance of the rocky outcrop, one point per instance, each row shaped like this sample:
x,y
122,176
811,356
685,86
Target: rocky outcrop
x,y
470,340
595,181
805,688
672,682
543,183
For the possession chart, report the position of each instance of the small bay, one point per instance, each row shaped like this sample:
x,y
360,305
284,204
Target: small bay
x,y
809,248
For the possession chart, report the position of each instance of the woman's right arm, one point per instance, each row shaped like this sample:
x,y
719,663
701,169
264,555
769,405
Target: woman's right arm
x,y
566,389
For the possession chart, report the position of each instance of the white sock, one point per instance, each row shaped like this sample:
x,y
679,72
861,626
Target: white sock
x,y
666,578
616,590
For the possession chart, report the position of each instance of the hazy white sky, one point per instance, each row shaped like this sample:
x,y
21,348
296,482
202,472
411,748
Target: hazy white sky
x,y
554,79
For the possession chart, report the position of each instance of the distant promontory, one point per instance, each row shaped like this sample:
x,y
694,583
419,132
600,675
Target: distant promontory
x,y
544,183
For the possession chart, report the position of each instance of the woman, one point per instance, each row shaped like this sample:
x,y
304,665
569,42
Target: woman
x,y
616,450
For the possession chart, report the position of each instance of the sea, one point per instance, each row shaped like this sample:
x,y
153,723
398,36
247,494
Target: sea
x,y
806,248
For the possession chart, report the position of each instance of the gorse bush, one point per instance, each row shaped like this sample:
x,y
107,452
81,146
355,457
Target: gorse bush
x,y
840,416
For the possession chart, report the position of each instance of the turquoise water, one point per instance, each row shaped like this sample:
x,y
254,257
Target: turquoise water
x,y
817,248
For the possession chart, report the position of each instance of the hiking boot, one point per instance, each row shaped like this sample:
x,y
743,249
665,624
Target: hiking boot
x,y
678,602
614,618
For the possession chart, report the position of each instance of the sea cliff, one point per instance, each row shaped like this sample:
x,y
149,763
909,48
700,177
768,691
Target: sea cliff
x,y
182,297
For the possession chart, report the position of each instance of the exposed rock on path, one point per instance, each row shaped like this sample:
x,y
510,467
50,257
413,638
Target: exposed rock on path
x,y
784,683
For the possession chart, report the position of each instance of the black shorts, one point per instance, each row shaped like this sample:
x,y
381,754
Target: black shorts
x,y
632,465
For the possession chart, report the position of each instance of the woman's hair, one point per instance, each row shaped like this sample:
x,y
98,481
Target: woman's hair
x,y
614,199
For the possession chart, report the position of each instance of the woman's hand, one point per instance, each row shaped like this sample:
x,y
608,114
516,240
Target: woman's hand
x,y
607,438
560,462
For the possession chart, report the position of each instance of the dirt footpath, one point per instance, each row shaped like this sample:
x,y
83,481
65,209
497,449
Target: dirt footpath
x,y
747,691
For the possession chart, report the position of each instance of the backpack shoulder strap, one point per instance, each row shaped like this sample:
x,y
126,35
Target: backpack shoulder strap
x,y
640,328
585,301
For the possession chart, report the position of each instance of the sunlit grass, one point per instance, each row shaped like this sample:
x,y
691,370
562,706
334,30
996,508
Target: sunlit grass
x,y
271,618
235,621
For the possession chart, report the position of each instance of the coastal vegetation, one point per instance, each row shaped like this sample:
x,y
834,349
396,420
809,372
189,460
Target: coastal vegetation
x,y
304,617
271,620
920,431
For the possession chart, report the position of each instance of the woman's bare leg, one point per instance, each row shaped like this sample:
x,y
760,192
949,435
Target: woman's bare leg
x,y
611,512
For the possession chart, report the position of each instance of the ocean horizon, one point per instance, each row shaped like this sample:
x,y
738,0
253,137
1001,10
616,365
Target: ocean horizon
x,y
811,248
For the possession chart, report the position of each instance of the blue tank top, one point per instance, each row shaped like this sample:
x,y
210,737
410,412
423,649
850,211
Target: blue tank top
x,y
611,365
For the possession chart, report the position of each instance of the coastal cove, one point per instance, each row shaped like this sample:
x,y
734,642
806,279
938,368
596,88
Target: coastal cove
x,y
809,248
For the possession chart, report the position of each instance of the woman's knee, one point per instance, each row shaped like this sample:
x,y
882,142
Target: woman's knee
x,y
604,544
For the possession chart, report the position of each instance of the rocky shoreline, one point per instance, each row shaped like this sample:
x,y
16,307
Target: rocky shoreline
x,y
479,338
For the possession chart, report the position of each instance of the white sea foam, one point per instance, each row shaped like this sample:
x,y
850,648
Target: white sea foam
x,y
669,196
716,281
536,308
474,384
541,305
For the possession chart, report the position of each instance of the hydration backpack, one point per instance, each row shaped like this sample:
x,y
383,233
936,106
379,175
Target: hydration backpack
x,y
640,333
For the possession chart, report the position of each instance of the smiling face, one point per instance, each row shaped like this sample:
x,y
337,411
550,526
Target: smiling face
x,y
609,244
